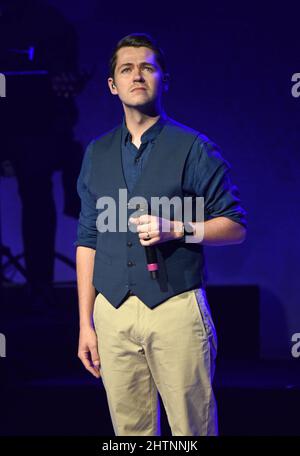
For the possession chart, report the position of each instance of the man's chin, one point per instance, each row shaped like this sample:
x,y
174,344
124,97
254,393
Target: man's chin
x,y
139,104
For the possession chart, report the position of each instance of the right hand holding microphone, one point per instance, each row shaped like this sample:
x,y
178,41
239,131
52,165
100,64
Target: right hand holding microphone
x,y
155,230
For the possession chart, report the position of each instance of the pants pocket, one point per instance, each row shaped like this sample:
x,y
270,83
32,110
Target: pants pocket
x,y
205,314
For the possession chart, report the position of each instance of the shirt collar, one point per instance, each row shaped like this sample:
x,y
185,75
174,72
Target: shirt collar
x,y
148,135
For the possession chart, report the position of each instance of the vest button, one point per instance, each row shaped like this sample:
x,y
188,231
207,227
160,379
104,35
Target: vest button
x,y
129,243
136,160
130,263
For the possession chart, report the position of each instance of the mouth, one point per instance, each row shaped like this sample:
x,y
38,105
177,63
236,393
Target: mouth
x,y
138,88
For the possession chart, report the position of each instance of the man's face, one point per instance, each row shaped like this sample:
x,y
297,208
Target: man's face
x,y
138,77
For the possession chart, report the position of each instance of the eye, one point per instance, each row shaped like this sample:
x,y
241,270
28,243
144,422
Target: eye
x,y
125,69
149,68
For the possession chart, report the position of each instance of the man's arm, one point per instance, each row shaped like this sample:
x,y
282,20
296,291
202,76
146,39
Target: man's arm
x,y
208,175
85,258
87,347
215,232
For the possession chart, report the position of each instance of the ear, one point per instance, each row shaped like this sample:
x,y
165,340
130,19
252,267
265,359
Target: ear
x,y
112,86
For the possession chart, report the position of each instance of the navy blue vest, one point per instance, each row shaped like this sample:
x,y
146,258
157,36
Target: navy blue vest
x,y
120,260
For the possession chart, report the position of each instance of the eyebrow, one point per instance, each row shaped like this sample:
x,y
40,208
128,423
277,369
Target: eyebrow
x,y
130,64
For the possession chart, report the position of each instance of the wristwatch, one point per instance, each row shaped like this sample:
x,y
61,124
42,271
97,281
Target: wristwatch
x,y
187,230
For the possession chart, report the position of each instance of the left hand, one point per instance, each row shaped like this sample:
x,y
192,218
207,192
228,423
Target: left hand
x,y
159,229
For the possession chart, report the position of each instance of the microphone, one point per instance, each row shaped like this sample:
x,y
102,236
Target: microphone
x,y
150,250
152,264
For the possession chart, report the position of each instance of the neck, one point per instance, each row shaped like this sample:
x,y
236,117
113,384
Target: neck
x,y
138,122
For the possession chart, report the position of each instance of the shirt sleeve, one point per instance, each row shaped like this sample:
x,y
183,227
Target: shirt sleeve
x,y
86,228
208,175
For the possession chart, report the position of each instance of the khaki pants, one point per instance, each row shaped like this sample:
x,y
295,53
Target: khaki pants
x,y
170,349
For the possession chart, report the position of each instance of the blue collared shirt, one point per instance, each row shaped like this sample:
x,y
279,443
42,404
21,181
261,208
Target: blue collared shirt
x,y
133,158
206,174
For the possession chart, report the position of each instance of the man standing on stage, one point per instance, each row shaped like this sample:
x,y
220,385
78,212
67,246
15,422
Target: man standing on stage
x,y
146,336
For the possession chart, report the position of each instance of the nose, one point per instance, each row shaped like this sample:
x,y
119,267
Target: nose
x,y
138,75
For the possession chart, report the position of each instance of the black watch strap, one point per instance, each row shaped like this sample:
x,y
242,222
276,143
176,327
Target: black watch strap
x,y
188,229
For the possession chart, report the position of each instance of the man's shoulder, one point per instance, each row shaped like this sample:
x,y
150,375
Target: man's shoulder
x,y
106,136
203,146
174,125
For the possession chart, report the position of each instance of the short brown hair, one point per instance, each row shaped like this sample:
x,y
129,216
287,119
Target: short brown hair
x,y
138,40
